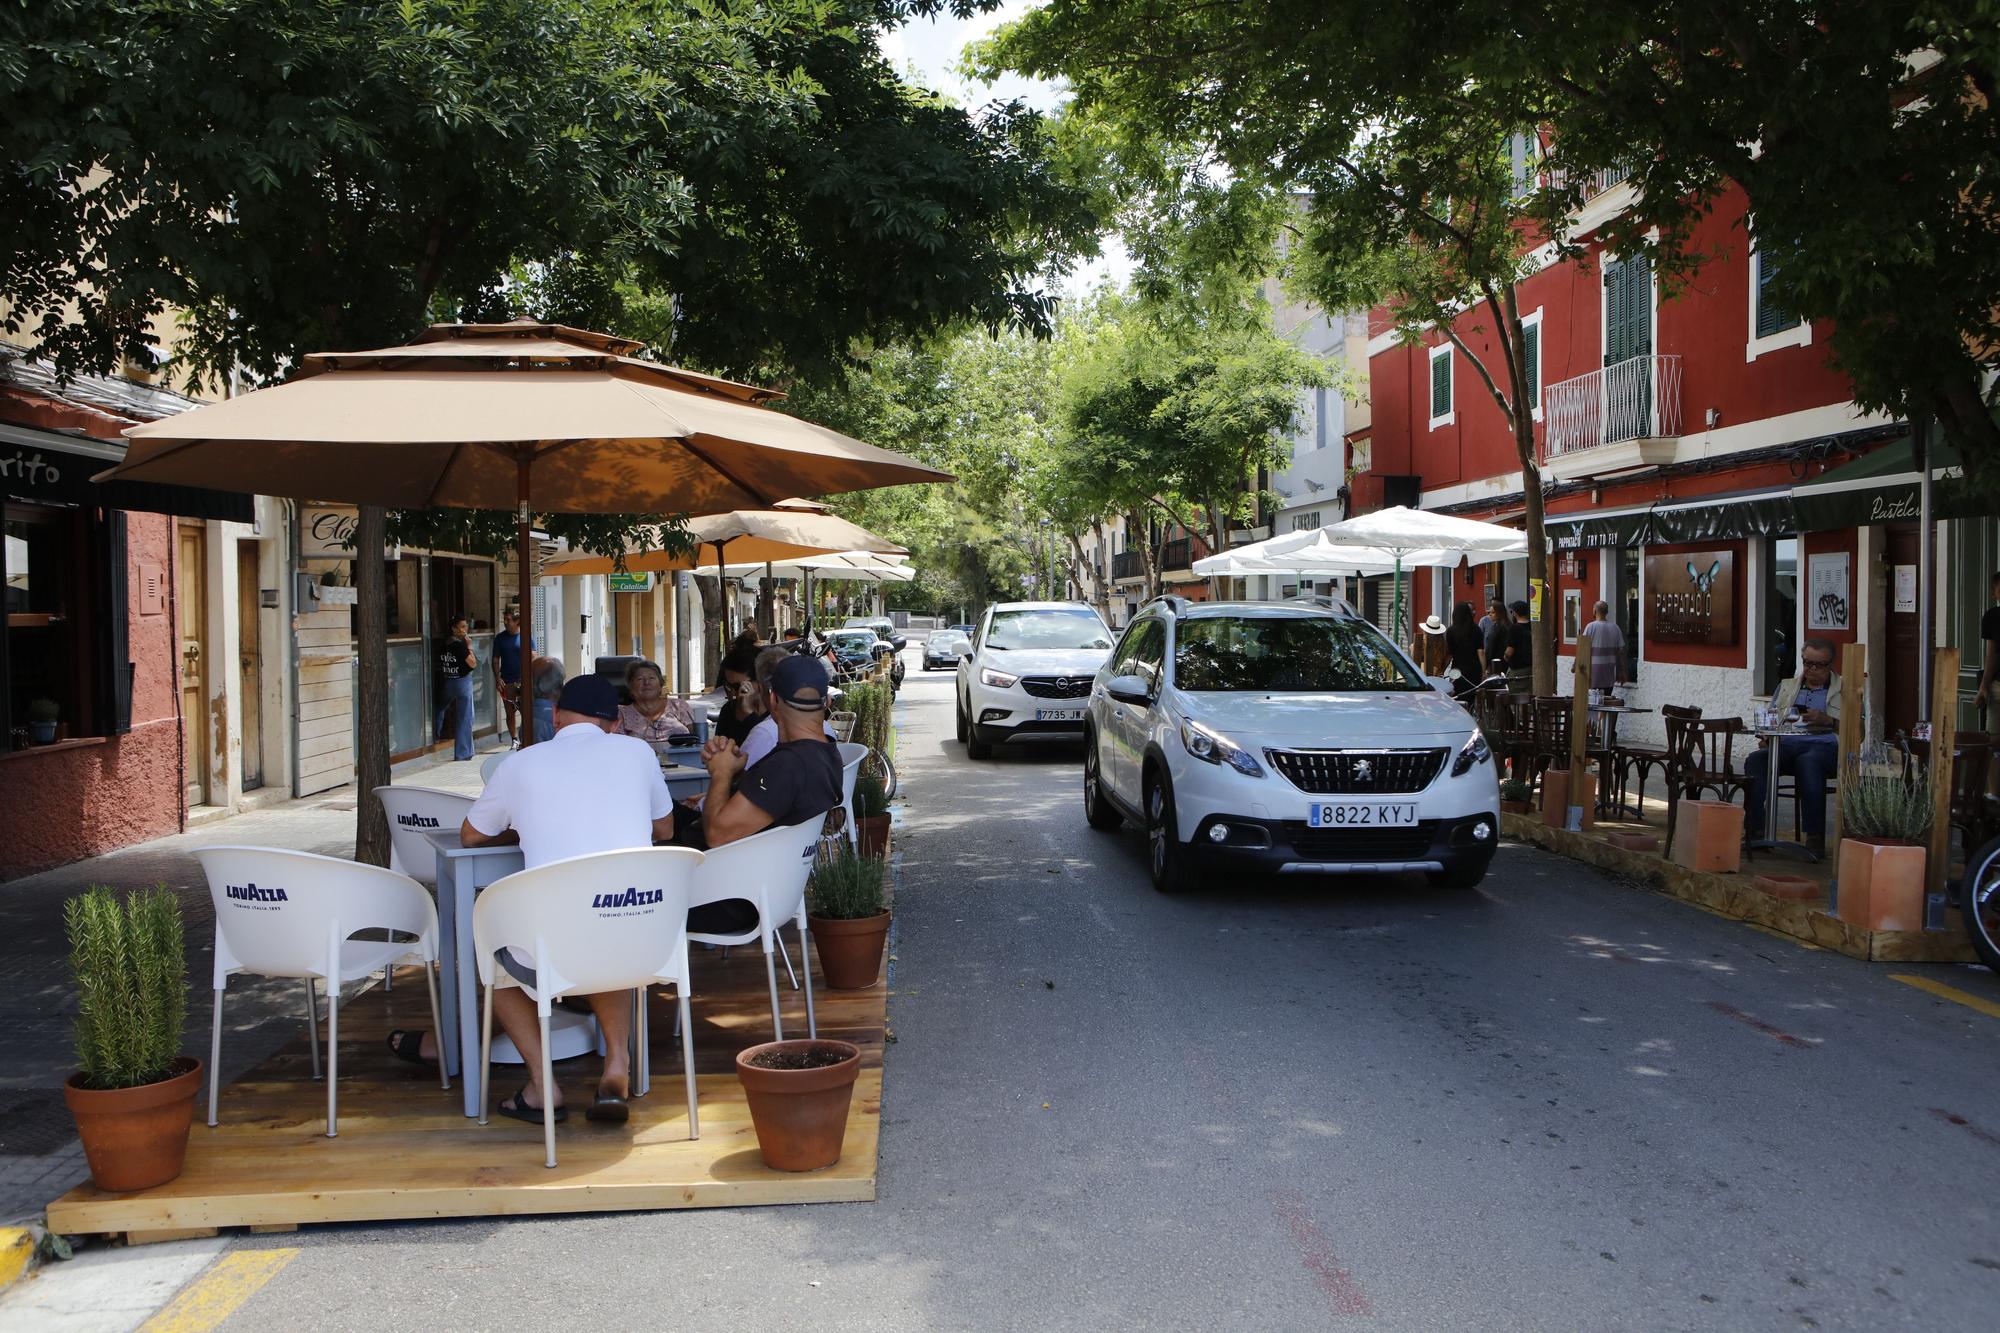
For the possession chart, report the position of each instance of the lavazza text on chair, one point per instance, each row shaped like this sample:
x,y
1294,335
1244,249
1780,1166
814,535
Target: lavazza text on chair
x,y
1284,737
1028,674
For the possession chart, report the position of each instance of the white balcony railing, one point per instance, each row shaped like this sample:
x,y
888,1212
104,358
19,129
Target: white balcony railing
x,y
1635,399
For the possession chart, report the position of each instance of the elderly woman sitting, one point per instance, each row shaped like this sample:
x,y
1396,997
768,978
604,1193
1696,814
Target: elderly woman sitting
x,y
653,715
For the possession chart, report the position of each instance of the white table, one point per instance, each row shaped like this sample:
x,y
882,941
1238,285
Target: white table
x,y
461,873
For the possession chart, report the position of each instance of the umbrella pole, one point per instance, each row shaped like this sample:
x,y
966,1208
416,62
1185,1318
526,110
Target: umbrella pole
x,y
1400,626
524,554
722,592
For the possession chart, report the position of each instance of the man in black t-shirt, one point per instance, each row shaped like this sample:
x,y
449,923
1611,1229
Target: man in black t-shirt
x,y
798,781
1989,637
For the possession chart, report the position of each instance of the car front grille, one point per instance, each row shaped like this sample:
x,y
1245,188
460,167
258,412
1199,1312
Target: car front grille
x,y
1359,772
1361,844
1056,687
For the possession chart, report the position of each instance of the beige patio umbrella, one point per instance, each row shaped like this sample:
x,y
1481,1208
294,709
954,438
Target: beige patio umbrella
x,y
538,418
746,537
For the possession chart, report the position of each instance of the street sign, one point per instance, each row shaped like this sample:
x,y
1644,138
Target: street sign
x,y
629,582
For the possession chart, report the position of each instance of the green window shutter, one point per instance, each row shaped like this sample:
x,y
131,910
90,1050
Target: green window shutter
x,y
1441,385
1771,317
1531,361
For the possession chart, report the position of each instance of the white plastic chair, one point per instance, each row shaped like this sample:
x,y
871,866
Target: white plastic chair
x,y
851,755
610,921
770,869
414,812
493,761
281,913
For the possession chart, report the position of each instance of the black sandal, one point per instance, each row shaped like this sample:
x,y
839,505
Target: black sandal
x,y
608,1108
408,1046
526,1114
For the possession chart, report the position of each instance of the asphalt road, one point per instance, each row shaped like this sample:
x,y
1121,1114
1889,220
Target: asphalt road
x,y
1558,1102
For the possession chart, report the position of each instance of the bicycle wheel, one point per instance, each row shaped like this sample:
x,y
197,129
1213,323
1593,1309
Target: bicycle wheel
x,y
1979,902
878,764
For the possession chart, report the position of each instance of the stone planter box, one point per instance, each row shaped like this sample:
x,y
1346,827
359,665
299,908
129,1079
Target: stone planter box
x,y
1555,797
1881,884
1708,835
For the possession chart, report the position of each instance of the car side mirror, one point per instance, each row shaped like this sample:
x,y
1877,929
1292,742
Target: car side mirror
x,y
1129,690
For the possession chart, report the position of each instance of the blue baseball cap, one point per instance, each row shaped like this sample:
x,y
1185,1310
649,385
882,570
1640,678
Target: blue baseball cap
x,y
589,696
801,683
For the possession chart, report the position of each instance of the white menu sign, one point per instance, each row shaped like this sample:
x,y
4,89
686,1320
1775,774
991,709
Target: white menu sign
x,y
1827,590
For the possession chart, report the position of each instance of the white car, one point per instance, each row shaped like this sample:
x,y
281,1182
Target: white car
x,y
1028,673
943,649
1282,737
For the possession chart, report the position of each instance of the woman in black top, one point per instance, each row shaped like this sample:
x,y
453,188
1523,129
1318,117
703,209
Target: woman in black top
x,y
743,708
1463,643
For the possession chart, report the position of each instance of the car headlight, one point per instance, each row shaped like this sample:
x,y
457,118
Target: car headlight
x,y
1215,748
1474,751
999,680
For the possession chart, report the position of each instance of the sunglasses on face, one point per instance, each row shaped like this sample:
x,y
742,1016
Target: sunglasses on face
x,y
1807,664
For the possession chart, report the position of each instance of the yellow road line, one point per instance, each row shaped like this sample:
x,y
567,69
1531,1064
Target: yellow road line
x,y
1952,993
217,1294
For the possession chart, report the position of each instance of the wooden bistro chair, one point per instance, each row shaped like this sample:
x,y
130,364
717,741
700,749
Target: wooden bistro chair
x,y
1635,763
280,913
609,921
1703,760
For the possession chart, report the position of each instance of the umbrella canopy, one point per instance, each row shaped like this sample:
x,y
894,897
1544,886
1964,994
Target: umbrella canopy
x,y
456,418
1295,553
523,415
1402,530
743,536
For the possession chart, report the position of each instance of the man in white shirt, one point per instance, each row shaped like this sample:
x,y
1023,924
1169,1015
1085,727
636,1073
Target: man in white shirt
x,y
587,790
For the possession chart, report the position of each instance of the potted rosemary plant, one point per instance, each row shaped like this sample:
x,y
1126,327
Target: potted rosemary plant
x,y
1885,824
1516,797
871,815
133,1092
850,925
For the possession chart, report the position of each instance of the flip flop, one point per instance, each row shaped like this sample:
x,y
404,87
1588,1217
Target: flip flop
x,y
526,1114
408,1046
608,1108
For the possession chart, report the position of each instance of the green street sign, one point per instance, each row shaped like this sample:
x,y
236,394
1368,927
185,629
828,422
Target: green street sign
x,y
631,582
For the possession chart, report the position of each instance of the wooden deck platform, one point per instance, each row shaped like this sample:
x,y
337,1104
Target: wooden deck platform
x,y
406,1150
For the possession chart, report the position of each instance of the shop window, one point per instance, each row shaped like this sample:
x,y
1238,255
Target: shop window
x,y
1780,613
60,644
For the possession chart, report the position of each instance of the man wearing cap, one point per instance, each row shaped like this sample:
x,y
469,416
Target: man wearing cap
x,y
797,780
588,789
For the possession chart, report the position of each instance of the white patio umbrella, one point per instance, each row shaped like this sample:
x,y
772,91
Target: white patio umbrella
x,y
1406,533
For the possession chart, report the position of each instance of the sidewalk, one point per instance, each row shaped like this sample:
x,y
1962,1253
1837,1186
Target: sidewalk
x,y
39,1155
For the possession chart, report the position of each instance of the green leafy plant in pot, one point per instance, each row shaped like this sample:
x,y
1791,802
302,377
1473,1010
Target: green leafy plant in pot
x,y
1516,796
43,714
850,925
871,815
133,1092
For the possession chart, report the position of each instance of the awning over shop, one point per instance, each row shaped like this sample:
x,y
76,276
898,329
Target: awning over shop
x,y
39,469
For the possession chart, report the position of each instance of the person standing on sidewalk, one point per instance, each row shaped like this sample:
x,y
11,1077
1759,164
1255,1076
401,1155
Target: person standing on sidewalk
x,y
455,667
1604,649
509,651
1989,644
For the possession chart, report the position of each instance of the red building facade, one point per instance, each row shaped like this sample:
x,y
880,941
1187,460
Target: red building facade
x,y
1693,443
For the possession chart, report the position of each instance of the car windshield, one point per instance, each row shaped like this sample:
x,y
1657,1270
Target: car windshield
x,y
850,638
1054,628
1279,654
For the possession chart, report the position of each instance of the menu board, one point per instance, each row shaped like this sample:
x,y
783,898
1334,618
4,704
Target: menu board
x,y
1827,590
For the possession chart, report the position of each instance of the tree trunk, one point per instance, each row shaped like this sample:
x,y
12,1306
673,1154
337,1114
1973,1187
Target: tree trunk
x,y
711,618
371,685
1100,589
1538,555
767,604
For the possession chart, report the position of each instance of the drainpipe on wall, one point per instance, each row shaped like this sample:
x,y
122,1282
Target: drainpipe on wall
x,y
1920,434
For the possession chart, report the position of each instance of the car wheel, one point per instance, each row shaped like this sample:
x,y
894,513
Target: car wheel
x,y
974,747
1097,812
964,732
1462,877
1166,859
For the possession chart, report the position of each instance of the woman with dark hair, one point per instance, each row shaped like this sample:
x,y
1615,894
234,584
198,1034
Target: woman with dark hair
x,y
1463,644
743,702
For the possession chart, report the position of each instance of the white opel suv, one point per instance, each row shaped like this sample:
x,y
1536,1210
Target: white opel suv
x,y
1026,677
1284,737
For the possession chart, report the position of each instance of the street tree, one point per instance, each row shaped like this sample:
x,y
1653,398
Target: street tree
x,y
288,176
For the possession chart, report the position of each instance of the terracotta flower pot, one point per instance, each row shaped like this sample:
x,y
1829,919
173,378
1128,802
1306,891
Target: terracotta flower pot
x,y
800,1114
872,832
1516,807
1882,883
1708,835
135,1138
850,949
1796,887
1556,797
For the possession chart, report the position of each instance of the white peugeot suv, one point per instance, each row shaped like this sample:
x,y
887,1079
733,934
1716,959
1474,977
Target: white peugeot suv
x,y
1030,667
1284,737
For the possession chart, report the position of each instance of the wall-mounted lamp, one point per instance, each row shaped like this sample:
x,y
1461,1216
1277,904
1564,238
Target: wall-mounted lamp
x,y
1714,417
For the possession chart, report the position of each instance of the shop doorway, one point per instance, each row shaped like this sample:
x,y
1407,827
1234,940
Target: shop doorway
x,y
191,603
1899,670
250,663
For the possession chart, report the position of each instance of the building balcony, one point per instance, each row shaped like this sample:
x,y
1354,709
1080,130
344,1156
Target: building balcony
x,y
1621,418
1128,565
1181,553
